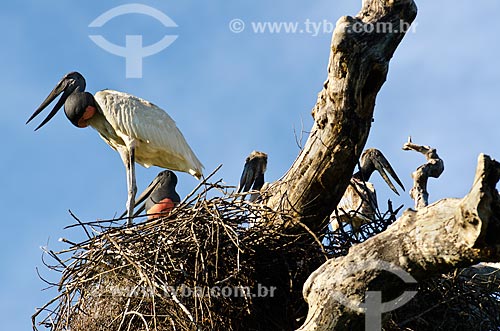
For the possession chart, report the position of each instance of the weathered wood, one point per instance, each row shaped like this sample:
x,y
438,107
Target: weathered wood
x,y
433,168
435,239
360,52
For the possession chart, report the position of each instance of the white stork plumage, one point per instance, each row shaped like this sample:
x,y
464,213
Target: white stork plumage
x,y
359,202
139,130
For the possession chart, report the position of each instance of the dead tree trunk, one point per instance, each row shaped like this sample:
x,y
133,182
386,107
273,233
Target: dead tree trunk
x,y
360,52
421,244
436,239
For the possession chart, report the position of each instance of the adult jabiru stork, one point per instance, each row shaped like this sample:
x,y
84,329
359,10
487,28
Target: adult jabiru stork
x,y
139,130
359,202
253,174
160,197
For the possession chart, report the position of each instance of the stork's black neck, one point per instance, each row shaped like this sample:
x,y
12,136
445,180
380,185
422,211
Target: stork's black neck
x,y
165,188
165,192
161,193
77,108
79,105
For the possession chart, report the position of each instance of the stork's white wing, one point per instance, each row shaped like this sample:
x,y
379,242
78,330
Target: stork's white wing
x,y
160,141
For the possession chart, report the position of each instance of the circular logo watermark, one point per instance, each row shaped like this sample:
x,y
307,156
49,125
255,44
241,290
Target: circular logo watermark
x,y
133,51
373,307
236,25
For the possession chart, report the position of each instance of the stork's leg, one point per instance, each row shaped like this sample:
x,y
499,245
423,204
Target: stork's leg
x,y
132,187
128,158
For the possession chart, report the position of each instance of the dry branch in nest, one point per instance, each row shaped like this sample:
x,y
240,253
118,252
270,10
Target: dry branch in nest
x,y
429,242
456,300
212,264
209,265
339,241
220,264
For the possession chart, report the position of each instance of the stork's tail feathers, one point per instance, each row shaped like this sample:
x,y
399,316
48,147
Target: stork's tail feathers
x,y
195,173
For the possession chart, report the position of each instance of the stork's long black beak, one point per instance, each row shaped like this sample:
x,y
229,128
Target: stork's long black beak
x,y
148,190
382,165
144,195
67,84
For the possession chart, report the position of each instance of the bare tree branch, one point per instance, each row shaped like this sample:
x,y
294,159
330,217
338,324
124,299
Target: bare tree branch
x,y
357,69
432,240
433,168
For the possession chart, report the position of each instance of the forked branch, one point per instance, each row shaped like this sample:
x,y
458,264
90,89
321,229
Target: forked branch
x,y
433,240
361,49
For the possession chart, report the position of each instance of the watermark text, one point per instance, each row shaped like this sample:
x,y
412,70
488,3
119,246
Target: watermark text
x,y
317,28
184,291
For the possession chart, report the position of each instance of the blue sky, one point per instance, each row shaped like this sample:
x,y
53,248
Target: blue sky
x,y
229,94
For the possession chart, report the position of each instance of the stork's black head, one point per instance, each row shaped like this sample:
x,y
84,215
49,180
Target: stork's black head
x,y
253,172
164,187
372,159
76,102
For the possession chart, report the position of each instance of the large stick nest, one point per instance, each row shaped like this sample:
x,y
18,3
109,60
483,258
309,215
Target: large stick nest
x,y
222,263
212,264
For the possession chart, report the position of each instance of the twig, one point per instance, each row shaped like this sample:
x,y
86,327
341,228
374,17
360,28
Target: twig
x,y
79,222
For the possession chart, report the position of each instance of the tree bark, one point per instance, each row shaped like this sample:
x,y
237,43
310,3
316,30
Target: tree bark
x,y
360,52
435,239
432,240
433,168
